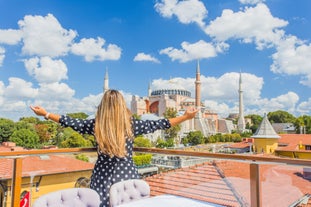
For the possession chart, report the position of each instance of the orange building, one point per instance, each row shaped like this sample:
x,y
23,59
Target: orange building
x,y
42,174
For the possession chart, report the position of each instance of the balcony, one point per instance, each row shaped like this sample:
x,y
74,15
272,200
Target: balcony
x,y
211,178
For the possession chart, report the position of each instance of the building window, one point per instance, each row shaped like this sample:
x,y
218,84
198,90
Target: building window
x,y
308,147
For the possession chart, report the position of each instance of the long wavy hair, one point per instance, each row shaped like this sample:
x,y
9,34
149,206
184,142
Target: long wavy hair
x,y
113,124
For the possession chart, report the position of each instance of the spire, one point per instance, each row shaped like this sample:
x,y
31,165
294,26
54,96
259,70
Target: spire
x,y
149,90
198,87
241,120
265,130
106,80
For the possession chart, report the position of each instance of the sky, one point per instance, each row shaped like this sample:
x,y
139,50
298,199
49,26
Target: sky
x,y
55,53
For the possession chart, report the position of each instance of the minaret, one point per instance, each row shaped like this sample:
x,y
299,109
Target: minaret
x,y
149,90
241,121
106,86
198,88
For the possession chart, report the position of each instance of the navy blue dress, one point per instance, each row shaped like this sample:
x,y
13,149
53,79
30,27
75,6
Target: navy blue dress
x,y
107,170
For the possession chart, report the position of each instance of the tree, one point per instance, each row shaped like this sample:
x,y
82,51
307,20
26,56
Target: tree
x,y
6,129
256,120
75,140
25,138
141,141
23,125
79,115
173,131
303,123
195,137
281,117
161,143
43,132
33,120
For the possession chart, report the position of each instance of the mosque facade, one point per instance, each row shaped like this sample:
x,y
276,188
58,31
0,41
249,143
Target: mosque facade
x,y
158,101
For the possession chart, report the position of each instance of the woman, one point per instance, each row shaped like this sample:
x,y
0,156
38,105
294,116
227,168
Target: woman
x,y
114,129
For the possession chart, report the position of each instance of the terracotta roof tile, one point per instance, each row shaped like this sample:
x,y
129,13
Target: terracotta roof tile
x,y
50,164
292,141
281,184
228,183
202,182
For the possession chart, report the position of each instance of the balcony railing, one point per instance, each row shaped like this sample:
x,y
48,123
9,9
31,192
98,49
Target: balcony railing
x,y
254,164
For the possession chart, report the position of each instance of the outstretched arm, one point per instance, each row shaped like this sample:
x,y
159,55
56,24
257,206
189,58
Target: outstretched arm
x,y
189,114
40,111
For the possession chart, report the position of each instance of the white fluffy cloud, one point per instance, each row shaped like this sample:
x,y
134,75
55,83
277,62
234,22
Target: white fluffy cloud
x,y
60,91
220,94
145,57
251,1
190,11
223,88
253,24
93,49
19,88
2,55
198,50
46,70
293,58
44,36
10,36
304,107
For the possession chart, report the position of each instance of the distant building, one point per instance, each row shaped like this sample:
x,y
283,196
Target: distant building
x,y
294,146
265,138
267,141
158,101
284,128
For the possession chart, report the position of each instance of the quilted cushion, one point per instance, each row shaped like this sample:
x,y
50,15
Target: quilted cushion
x,y
73,197
127,191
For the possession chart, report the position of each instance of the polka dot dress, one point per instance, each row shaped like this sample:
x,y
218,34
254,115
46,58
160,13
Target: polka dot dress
x,y
107,170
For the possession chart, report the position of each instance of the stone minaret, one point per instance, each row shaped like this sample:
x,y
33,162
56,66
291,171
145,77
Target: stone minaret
x,y
198,88
106,85
149,90
241,120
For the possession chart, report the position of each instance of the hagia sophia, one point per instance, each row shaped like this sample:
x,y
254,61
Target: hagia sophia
x,y
206,121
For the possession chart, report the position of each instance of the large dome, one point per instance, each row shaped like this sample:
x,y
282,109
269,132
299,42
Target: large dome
x,y
181,92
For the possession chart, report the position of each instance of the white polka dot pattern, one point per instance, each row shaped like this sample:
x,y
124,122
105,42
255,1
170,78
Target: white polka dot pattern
x,y
107,170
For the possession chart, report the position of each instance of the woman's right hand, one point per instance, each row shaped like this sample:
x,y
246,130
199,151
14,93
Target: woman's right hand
x,y
40,111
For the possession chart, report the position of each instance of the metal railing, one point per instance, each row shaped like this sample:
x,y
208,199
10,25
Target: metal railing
x,y
255,162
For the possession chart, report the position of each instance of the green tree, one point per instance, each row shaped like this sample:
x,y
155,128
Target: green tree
x,y
79,115
75,140
33,120
43,132
195,138
141,141
173,131
161,143
6,129
25,138
24,125
281,117
303,122
256,120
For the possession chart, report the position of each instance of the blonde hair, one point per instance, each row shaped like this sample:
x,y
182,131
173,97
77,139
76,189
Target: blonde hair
x,y
113,124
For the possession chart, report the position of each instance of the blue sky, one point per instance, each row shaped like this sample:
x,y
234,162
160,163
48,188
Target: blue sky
x,y
55,53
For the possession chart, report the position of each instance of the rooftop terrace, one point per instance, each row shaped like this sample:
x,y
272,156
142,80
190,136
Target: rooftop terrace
x,y
222,180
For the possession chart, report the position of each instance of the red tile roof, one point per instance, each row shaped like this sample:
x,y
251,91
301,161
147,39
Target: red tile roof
x,y
228,183
239,145
293,140
201,182
43,165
